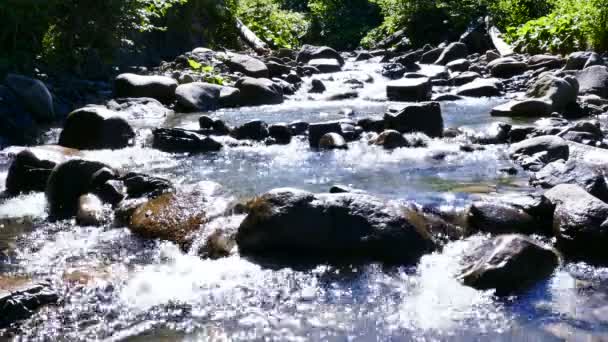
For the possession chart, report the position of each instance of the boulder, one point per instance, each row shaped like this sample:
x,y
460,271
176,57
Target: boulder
x,y
198,96
579,222
67,182
559,92
531,108
309,52
34,95
17,125
317,86
509,264
431,56
452,52
594,81
594,59
298,127
319,129
177,140
577,60
465,77
390,139
247,65
277,69
252,130
140,185
94,128
572,172
229,97
363,56
548,148
169,217
160,88
480,87
213,126
332,141
372,124
500,218
545,61
22,302
281,133
31,168
393,70
141,108
325,65
506,67
410,58
259,91
409,89
461,64
351,226
423,117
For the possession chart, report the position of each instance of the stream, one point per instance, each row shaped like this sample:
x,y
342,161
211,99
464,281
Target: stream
x,y
118,287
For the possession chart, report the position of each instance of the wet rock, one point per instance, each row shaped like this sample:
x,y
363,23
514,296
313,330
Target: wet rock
x,y
577,60
431,56
259,91
198,96
93,128
461,64
341,189
506,67
558,92
111,192
298,127
415,90
372,124
594,59
423,117
481,87
594,81
229,97
140,185
547,148
342,95
492,55
309,52
90,211
393,70
280,132
509,264
160,88
22,302
214,126
294,79
363,56
247,65
447,97
34,95
176,140
252,130
545,61
325,65
296,223
523,108
169,217
317,86
390,139
277,69
572,172
452,52
332,141
500,218
288,88
138,108
67,182
31,168
465,77
579,222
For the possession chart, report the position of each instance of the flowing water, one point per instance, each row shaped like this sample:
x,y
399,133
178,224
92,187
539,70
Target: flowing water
x,y
116,286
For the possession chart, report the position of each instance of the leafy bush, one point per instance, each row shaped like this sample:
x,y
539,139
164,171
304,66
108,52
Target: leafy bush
x,y
513,13
271,23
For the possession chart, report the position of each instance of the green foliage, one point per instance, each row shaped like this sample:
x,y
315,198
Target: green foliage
x,y
342,23
209,73
513,13
572,25
271,23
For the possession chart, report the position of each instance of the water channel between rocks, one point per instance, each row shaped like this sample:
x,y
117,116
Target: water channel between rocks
x,y
117,286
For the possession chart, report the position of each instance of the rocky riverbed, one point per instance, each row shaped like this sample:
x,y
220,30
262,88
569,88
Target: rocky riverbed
x,y
442,193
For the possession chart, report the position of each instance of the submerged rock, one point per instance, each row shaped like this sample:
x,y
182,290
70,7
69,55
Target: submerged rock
x,y
508,264
253,130
140,185
94,128
579,222
20,303
180,140
160,88
390,139
296,223
424,117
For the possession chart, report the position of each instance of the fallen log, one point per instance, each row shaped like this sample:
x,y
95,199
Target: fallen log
x,y
250,38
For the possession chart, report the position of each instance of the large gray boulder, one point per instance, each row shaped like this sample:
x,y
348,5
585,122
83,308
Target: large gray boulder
x,y
558,92
160,88
500,218
410,89
530,108
94,128
578,60
258,91
325,65
579,222
480,87
506,67
546,149
296,223
34,95
198,96
594,81
310,52
509,264
452,52
423,117
248,65
572,172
